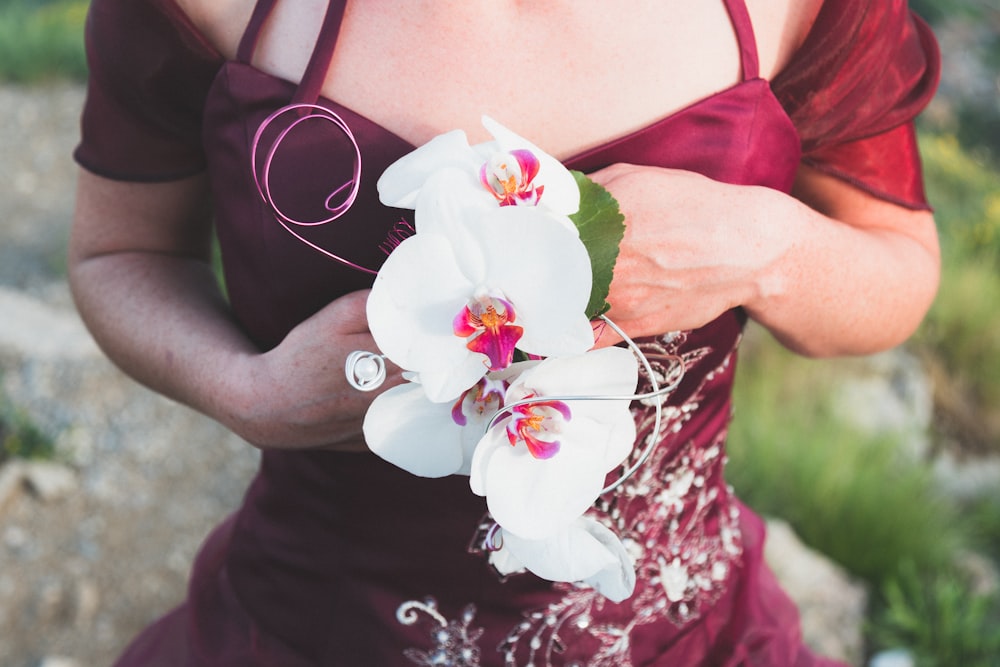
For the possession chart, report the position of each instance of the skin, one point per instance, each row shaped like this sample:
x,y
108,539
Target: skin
x,y
830,270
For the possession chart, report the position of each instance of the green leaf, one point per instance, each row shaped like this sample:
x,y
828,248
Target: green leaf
x,y
601,226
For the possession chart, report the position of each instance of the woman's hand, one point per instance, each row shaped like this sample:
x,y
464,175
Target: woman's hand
x,y
296,395
831,270
693,247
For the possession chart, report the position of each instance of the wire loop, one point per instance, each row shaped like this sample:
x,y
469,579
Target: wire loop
x,y
365,371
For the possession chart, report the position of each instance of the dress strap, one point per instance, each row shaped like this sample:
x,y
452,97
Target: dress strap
x,y
740,17
248,43
319,63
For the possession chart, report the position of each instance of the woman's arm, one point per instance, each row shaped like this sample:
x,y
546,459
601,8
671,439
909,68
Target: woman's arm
x,y
141,277
846,274
862,278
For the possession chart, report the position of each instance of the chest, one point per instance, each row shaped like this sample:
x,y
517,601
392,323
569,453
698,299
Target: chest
x,y
568,79
569,75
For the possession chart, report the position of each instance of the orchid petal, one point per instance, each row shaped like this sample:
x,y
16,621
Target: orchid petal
x,y
410,311
450,200
549,289
608,371
400,184
461,214
527,161
430,439
497,344
586,551
562,194
407,430
537,497
430,278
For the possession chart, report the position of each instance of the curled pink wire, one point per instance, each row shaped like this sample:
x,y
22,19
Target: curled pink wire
x,y
262,177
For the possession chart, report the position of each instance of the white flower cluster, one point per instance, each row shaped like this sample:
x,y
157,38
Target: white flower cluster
x,y
496,265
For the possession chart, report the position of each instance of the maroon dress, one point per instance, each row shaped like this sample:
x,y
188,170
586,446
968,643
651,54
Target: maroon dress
x,y
343,559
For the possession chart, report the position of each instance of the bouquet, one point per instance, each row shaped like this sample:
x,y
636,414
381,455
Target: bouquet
x,y
487,306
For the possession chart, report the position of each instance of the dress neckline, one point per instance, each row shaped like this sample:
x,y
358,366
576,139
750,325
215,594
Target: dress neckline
x,y
308,90
630,135
326,43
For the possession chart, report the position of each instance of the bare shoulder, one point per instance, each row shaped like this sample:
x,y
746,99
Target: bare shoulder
x,y
780,27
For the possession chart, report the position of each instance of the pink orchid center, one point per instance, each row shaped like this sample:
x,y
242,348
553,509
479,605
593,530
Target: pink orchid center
x,y
509,176
482,399
537,425
488,324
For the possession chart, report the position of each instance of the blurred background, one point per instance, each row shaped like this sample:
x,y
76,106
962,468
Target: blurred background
x,y
881,475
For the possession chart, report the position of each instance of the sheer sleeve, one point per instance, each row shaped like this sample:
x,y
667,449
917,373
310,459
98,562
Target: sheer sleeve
x,y
865,70
149,75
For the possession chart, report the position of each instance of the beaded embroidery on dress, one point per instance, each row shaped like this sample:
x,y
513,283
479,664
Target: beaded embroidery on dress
x,y
454,642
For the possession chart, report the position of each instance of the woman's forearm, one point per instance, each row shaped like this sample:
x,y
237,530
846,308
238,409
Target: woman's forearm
x,y
139,271
140,276
844,289
163,321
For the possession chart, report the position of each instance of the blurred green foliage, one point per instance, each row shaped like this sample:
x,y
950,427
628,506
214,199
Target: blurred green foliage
x,y
937,10
851,496
939,618
42,39
972,49
981,517
959,336
965,192
20,438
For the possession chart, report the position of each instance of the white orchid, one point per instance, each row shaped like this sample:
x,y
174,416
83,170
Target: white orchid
x,y
509,170
453,307
584,552
495,265
431,439
544,464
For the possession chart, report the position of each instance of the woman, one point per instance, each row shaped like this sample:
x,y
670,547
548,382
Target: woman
x,y
763,156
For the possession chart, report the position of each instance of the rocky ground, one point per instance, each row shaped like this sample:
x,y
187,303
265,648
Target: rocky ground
x,y
93,549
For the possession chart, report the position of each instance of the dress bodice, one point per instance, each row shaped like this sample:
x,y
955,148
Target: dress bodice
x,y
676,512
738,135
